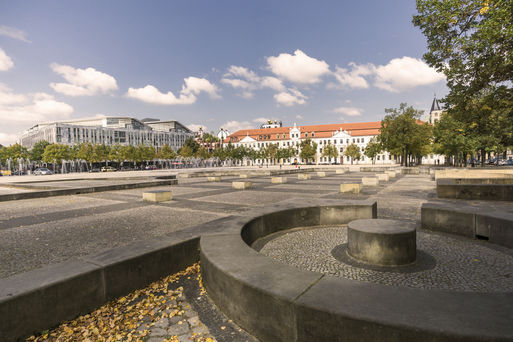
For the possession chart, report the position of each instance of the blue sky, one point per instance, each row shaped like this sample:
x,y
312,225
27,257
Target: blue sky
x,y
214,64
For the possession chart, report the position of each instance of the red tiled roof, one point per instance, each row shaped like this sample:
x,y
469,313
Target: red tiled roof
x,y
321,131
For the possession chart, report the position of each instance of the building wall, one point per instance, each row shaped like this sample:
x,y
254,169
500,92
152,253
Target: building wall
x,y
68,134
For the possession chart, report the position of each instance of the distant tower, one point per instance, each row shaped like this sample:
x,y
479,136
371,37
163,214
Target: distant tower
x,y
223,134
436,112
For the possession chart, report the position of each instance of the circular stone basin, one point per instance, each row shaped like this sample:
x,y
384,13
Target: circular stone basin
x,y
382,242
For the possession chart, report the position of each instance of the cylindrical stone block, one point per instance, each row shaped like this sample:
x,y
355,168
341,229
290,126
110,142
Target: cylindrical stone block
x,y
321,174
382,242
303,176
214,179
391,174
340,171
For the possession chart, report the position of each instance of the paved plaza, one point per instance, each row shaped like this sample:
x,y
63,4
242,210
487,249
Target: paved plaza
x,y
42,231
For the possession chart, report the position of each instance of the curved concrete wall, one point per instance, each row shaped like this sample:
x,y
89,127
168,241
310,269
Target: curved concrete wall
x,y
277,302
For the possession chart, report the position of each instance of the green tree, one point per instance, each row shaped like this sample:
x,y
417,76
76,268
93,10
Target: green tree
x,y
128,153
452,139
400,133
100,153
36,153
55,153
470,42
372,149
115,154
203,153
192,144
166,152
186,151
353,152
308,149
285,153
330,151
16,151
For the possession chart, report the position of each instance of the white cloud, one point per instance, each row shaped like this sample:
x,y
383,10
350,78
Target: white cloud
x,y
290,97
14,33
82,82
150,94
7,139
248,81
299,117
5,61
349,111
298,68
19,111
354,78
196,127
192,87
233,126
398,75
260,120
196,85
404,73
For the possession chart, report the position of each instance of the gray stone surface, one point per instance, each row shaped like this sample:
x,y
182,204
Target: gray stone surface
x,y
461,264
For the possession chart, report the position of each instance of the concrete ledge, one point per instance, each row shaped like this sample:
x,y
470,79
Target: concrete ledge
x,y
370,181
451,188
40,299
351,188
277,302
241,185
214,179
321,174
157,196
85,190
303,176
278,180
382,177
375,168
469,221
410,171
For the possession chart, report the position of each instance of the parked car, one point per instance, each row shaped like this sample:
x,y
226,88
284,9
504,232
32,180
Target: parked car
x,y
108,169
18,173
151,167
126,168
42,171
95,169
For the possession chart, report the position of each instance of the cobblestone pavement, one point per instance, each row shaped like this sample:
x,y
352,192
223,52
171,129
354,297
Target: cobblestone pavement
x,y
444,262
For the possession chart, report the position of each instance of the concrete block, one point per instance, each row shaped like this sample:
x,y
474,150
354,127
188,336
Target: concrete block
x,y
321,174
351,188
278,180
303,176
391,174
244,175
382,177
370,181
340,171
214,179
241,185
157,196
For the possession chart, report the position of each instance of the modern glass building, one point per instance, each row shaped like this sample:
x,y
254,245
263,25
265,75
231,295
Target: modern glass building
x,y
109,130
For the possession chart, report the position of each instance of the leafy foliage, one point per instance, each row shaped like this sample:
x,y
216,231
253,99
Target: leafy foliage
x,y
308,149
353,152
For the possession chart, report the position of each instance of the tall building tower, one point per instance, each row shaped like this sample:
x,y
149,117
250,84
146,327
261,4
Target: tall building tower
x,y
435,113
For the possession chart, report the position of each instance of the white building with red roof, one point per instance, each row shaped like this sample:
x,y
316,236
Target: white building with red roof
x,y
341,135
